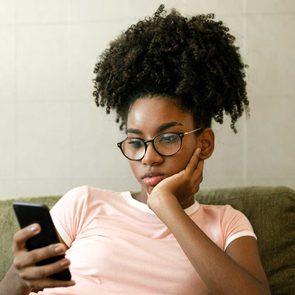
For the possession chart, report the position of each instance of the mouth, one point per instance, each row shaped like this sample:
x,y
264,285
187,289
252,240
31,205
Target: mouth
x,y
152,179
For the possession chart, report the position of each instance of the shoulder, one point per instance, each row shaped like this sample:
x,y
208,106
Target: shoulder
x,y
78,207
88,194
223,223
224,214
85,199
219,211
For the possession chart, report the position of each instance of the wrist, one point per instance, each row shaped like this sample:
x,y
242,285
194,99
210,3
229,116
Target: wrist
x,y
163,204
13,284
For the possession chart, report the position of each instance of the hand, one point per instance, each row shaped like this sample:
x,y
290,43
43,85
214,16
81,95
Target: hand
x,y
182,185
30,275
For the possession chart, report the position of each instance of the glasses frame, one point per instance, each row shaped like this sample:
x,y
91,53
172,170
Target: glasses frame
x,y
145,142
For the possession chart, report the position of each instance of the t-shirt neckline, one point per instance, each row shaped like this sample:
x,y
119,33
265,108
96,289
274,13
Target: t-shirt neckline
x,y
145,208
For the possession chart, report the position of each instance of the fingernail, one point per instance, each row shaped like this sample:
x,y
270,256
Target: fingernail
x,y
58,249
72,283
33,228
65,263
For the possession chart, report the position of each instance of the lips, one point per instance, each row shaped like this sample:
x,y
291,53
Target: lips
x,y
152,179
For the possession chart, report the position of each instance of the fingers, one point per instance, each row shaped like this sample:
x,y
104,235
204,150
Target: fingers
x,y
194,160
25,258
40,284
41,272
197,176
21,236
25,263
194,170
37,277
32,275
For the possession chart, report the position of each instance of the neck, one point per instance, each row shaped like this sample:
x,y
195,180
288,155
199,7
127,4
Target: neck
x,y
140,196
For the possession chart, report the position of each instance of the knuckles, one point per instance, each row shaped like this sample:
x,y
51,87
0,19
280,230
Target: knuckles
x,y
23,275
24,263
18,263
16,240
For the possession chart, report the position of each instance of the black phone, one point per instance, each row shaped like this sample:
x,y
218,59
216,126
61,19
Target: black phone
x,y
29,213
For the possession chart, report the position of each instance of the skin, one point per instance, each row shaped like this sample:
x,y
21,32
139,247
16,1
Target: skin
x,y
24,276
181,175
170,119
236,271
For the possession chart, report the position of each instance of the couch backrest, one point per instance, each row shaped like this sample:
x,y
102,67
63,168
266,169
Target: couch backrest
x,y
271,210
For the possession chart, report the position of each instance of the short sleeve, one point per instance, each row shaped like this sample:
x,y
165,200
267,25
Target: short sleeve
x,y
68,213
236,225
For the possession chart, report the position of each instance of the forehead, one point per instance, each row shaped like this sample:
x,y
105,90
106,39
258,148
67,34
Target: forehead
x,y
155,111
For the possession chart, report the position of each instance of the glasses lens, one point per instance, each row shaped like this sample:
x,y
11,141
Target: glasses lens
x,y
133,148
167,144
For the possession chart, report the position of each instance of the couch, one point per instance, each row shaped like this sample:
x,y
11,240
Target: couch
x,y
271,210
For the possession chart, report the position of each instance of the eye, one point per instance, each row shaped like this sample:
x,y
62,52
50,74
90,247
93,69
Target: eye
x,y
168,138
135,143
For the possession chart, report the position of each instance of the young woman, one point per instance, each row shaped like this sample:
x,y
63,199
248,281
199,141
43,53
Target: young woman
x,y
166,77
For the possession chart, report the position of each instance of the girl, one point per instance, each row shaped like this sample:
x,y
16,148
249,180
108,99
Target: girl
x,y
166,77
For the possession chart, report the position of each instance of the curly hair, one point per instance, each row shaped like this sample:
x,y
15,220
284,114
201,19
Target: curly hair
x,y
191,60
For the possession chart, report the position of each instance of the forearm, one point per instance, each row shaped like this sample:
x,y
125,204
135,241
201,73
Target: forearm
x,y
220,273
12,285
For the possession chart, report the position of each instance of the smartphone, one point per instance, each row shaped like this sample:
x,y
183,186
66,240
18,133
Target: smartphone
x,y
28,213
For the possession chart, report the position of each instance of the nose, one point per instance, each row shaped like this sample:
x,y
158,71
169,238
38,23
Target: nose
x,y
152,157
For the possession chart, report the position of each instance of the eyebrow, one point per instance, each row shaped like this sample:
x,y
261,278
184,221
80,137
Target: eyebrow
x,y
161,128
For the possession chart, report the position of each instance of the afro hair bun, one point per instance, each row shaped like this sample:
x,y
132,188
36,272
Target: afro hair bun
x,y
192,59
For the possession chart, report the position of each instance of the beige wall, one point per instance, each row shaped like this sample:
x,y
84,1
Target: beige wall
x,y
52,137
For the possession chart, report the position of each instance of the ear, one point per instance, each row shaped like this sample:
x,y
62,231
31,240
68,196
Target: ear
x,y
206,142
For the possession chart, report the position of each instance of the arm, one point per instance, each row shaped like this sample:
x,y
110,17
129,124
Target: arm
x,y
24,276
238,271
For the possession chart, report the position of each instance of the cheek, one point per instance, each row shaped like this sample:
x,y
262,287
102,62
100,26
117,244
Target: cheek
x,y
135,167
171,165
183,156
182,160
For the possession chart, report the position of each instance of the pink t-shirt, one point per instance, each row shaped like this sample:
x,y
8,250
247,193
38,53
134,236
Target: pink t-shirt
x,y
117,245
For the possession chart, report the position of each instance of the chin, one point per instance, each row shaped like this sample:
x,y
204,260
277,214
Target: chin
x,y
147,189
150,189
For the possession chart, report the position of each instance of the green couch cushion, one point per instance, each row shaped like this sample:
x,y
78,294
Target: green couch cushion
x,y
271,210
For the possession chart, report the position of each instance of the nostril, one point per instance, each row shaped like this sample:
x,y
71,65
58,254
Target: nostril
x,y
151,156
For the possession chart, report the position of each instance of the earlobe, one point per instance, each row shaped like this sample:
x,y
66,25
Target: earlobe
x,y
206,141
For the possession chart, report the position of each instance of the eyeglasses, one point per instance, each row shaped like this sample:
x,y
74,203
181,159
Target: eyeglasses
x,y
165,144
